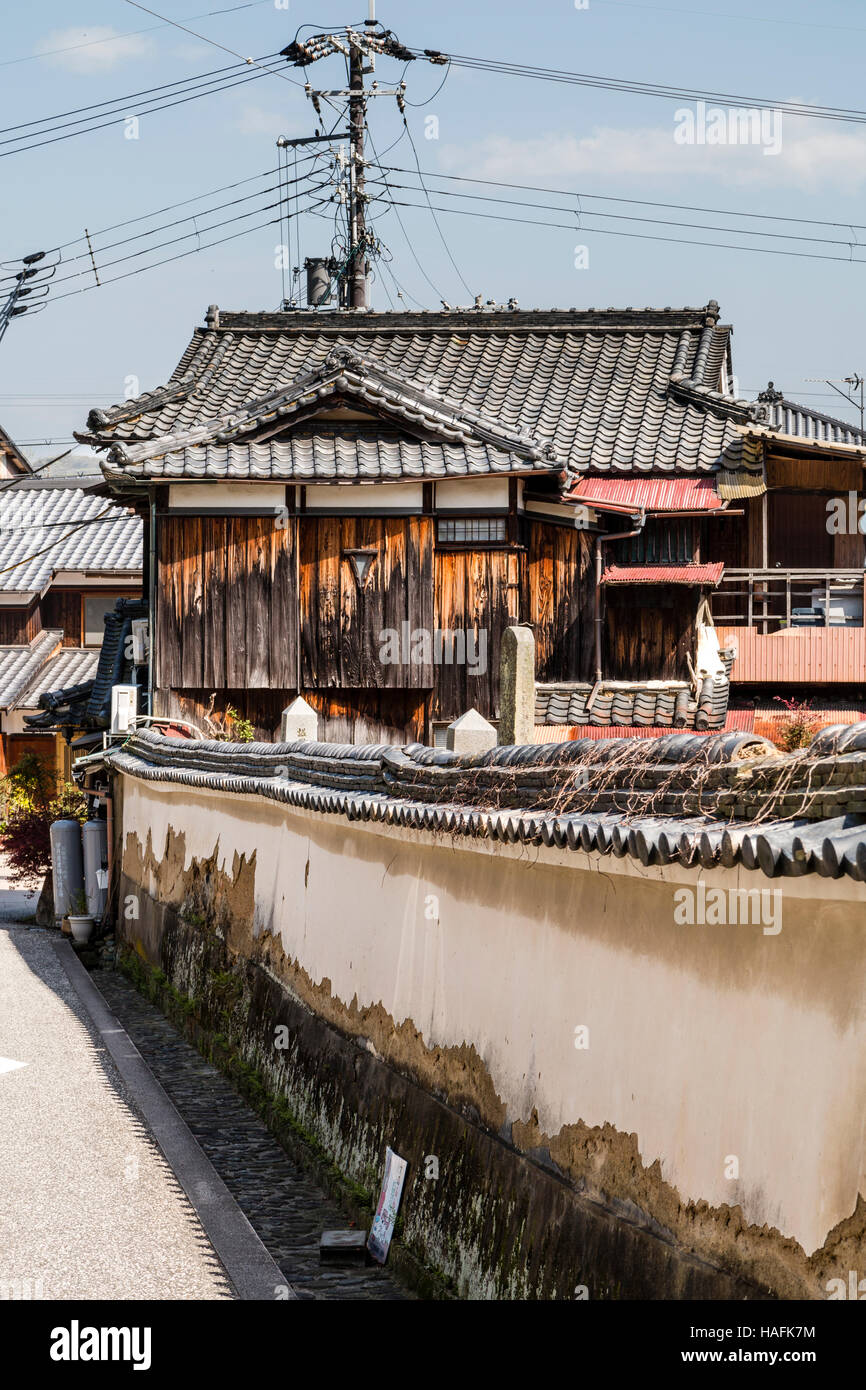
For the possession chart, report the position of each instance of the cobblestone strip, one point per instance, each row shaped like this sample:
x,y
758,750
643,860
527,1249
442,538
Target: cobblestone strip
x,y
286,1209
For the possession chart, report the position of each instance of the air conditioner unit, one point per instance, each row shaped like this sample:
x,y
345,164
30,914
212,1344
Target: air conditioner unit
x,y
124,708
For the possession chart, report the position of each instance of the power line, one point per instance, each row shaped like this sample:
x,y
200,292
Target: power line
x,y
174,241
642,88
167,260
130,97
178,222
639,236
432,211
131,34
112,120
639,202
630,217
406,236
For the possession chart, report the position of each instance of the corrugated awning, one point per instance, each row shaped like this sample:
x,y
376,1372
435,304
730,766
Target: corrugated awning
x,y
737,484
649,494
664,574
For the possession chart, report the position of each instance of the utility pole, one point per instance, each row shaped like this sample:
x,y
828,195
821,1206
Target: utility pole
x,y
356,45
358,267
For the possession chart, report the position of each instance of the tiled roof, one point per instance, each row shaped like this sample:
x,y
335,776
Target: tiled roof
x,y
789,418
20,664
636,704
353,455
664,574
600,391
41,531
71,666
80,695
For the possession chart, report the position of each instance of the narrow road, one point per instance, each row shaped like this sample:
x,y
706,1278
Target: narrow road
x,y
88,1207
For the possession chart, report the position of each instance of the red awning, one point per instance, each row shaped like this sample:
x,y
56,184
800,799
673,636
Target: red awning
x,y
651,494
664,574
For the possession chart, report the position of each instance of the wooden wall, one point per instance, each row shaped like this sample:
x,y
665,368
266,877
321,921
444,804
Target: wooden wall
x,y
561,601
347,716
478,592
20,625
226,604
343,622
649,630
246,609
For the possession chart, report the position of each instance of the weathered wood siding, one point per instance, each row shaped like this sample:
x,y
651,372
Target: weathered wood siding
x,y
19,625
343,624
561,601
649,631
226,604
478,593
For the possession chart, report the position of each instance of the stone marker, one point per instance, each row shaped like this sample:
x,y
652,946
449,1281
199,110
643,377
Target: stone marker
x,y
299,721
471,733
517,686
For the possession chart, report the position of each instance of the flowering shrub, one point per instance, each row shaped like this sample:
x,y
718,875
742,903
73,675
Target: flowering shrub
x,y
800,727
31,803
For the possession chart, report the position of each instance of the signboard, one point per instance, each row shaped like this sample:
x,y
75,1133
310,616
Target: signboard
x,y
382,1229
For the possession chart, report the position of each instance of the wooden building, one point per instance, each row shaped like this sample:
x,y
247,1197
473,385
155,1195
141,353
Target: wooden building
x,y
353,505
66,556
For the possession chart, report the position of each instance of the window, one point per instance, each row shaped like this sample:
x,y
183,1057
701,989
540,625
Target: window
x,y
475,530
663,541
95,609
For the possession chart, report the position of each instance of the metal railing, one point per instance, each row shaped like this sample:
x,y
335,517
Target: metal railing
x,y
789,598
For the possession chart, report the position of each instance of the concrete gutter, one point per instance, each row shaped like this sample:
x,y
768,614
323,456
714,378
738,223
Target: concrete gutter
x,y
252,1272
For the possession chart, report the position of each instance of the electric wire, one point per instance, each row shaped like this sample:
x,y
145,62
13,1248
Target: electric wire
x,y
643,88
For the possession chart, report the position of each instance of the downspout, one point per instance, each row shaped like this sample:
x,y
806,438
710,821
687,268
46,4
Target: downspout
x,y
599,567
151,603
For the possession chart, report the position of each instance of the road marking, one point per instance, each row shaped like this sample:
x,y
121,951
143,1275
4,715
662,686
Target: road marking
x,y
6,1064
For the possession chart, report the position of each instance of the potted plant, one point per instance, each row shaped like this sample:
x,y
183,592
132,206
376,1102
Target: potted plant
x,y
80,920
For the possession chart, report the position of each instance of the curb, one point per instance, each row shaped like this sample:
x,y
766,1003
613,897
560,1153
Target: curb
x,y
252,1272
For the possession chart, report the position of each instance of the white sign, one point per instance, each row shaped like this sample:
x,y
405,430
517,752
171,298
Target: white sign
x,y
6,1064
382,1229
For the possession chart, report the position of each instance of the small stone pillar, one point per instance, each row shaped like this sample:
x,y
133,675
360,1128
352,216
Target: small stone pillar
x,y
470,734
299,722
517,686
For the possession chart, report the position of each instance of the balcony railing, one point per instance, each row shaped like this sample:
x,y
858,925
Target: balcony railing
x,y
777,599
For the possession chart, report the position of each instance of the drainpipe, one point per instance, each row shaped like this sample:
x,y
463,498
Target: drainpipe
x,y
151,603
599,566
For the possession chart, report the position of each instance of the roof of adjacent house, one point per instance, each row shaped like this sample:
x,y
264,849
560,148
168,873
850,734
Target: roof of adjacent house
x,y
20,664
790,418
78,695
45,530
635,390
12,455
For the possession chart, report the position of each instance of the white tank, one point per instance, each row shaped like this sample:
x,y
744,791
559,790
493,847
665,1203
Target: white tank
x,y
67,865
94,840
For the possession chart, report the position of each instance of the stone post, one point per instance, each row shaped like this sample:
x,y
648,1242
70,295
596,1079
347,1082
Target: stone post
x,y
470,734
517,686
299,722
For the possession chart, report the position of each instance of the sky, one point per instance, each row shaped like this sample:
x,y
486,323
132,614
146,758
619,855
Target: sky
x,y
795,317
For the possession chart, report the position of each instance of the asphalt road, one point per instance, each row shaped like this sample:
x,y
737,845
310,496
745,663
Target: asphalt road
x,y
88,1207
